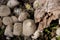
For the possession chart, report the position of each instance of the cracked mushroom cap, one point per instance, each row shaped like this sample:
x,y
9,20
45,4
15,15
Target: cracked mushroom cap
x,y
12,3
7,20
8,31
17,30
4,10
28,27
23,16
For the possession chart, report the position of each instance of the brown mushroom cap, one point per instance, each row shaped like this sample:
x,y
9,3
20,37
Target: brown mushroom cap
x,y
4,10
28,27
17,29
14,18
8,31
7,20
12,3
23,16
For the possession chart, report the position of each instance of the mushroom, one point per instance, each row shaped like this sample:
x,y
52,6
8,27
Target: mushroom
x,y
14,18
17,30
12,3
38,3
7,20
29,27
8,31
4,10
23,16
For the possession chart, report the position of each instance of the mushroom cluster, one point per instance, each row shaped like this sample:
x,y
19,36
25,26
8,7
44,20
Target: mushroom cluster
x,y
20,18
45,14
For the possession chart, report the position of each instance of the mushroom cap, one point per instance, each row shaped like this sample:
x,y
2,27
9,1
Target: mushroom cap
x,y
28,27
4,10
14,18
23,16
7,20
38,3
17,29
8,31
12,3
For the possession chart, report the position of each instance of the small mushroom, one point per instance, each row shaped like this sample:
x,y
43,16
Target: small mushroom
x,y
17,30
14,18
7,20
4,10
8,31
29,27
12,3
23,16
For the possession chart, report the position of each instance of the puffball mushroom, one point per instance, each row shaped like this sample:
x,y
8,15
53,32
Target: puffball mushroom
x,y
7,20
4,10
14,18
12,3
17,30
8,31
29,27
23,16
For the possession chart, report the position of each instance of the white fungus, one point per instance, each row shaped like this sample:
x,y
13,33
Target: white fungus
x,y
17,30
4,10
7,20
23,16
28,27
8,31
12,3
14,18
